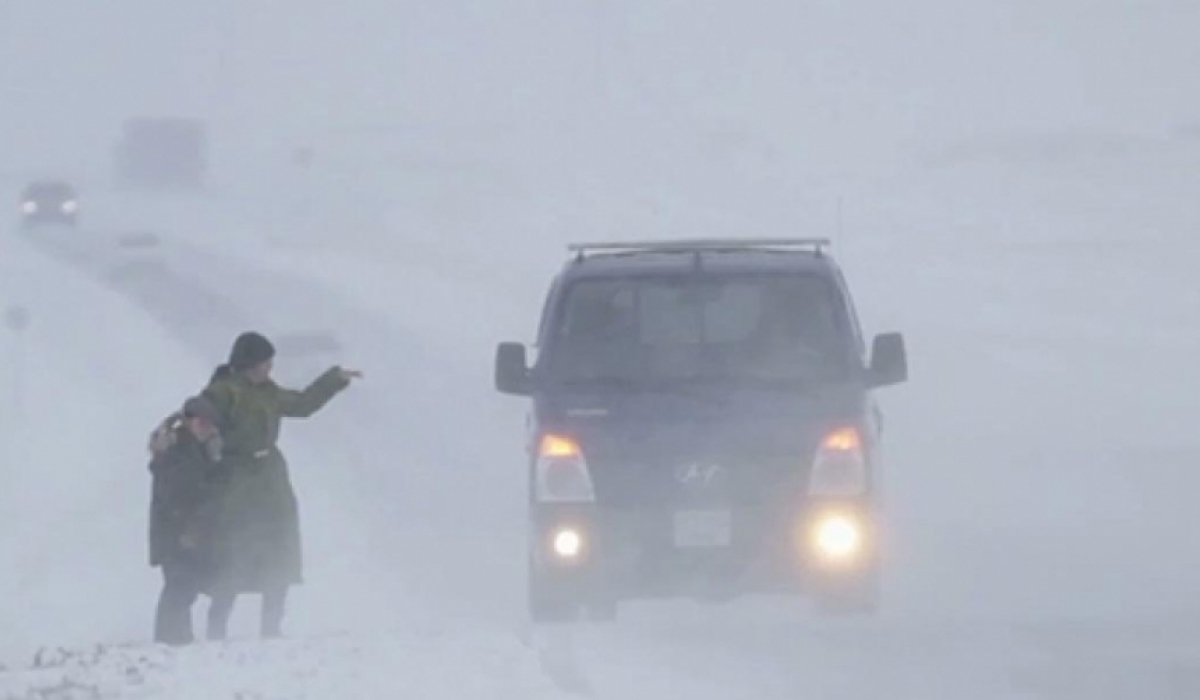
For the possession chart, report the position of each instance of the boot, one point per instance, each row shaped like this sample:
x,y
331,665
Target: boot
x,y
274,603
173,616
219,612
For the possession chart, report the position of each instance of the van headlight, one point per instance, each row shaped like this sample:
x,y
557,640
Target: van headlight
x,y
29,207
561,473
839,467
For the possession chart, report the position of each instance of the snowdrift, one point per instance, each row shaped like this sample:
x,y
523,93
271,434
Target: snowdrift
x,y
428,663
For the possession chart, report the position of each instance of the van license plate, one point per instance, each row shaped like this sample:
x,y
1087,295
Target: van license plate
x,y
703,528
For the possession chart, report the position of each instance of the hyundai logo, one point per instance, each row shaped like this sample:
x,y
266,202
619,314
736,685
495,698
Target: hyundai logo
x,y
697,475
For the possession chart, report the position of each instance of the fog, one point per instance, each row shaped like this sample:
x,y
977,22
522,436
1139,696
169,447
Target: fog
x,y
1012,185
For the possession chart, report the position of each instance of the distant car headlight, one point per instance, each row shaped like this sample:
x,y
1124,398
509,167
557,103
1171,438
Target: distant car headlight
x,y
70,206
29,207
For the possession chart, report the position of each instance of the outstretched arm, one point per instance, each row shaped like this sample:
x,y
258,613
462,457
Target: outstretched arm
x,y
302,404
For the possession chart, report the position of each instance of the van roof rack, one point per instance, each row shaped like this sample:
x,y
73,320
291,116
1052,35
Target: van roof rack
x,y
698,245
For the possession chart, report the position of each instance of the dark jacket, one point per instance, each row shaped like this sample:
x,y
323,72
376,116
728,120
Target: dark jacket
x,y
187,478
260,516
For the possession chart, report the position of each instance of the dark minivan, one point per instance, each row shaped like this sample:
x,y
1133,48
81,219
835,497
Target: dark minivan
x,y
702,425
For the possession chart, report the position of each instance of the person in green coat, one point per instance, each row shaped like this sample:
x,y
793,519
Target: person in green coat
x,y
260,545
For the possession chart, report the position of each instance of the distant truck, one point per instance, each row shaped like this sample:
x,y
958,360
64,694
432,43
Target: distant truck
x,y
162,154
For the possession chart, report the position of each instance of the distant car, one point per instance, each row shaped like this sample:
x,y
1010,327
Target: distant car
x,y
49,202
703,425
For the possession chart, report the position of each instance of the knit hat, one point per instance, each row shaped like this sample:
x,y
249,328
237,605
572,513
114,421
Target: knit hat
x,y
250,350
200,407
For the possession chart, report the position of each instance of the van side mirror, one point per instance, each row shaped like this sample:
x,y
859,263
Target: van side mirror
x,y
889,360
512,370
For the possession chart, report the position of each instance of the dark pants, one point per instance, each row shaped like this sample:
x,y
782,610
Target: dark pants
x,y
181,589
173,618
274,603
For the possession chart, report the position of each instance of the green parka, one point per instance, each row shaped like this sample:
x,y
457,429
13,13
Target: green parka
x,y
260,543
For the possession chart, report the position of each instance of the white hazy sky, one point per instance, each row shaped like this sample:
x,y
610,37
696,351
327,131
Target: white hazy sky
x,y
825,82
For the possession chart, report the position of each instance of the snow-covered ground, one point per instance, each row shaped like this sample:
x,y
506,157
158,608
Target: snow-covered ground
x,y
422,663
74,485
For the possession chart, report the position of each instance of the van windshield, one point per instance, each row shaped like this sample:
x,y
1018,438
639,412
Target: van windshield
x,y
773,329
